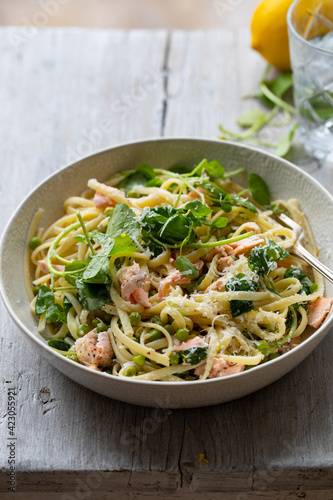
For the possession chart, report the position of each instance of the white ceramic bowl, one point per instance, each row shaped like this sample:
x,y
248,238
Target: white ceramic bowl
x,y
284,180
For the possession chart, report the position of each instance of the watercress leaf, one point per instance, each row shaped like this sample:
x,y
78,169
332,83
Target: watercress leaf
x,y
146,170
280,84
181,169
55,314
92,297
285,143
76,265
67,305
137,178
298,273
154,182
175,229
238,200
123,244
251,118
98,237
102,277
59,344
123,221
186,268
262,259
214,169
220,223
45,299
194,355
214,190
97,262
81,238
198,210
241,283
259,189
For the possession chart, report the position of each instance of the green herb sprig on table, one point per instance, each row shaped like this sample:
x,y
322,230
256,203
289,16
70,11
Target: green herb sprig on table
x,y
271,93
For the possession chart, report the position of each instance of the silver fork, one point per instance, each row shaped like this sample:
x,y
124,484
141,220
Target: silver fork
x,y
300,251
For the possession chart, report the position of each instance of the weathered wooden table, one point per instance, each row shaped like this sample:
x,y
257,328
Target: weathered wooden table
x,y
68,93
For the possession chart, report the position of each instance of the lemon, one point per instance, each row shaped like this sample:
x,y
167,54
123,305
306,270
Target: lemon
x,y
270,33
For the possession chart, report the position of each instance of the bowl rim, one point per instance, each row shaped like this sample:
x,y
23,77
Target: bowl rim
x,y
155,383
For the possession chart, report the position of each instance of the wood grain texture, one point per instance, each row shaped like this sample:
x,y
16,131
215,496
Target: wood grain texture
x,y
67,93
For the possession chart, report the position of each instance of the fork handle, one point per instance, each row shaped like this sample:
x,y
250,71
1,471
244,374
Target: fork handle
x,y
300,251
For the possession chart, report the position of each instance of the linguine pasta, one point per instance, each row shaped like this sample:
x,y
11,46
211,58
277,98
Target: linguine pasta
x,y
172,275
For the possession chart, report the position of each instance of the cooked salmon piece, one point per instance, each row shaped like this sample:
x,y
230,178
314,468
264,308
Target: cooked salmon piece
x,y
94,350
217,285
134,285
175,278
243,246
224,262
102,202
250,226
318,310
220,368
195,342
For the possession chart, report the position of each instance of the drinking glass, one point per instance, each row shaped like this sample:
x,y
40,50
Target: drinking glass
x,y
310,27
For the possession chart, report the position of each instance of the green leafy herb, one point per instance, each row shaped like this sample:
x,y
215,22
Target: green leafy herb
x,y
154,183
252,118
214,169
59,344
91,296
262,259
194,355
186,268
307,286
241,283
284,145
97,262
139,177
198,211
259,189
45,303
123,221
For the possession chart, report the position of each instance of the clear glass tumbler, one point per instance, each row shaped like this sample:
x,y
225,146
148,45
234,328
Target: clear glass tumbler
x,y
310,26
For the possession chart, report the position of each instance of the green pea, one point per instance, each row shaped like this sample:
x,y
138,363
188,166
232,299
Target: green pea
x,y
135,318
107,318
36,290
155,318
35,242
82,330
101,327
182,334
129,371
155,334
170,329
108,211
139,359
95,322
174,358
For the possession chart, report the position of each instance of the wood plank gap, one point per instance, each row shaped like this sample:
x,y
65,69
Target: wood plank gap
x,y
165,71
